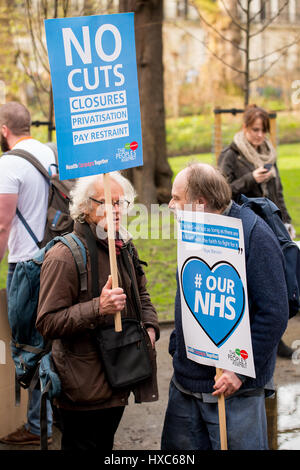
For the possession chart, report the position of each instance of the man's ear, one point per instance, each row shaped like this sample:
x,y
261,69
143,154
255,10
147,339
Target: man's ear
x,y
4,130
199,205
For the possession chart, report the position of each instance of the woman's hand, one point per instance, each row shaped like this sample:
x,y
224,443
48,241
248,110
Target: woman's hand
x,y
261,175
152,335
111,301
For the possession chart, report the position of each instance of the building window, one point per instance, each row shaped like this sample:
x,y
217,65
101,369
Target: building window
x,y
292,11
182,8
262,10
274,7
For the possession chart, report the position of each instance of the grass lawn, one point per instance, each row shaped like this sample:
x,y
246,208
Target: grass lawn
x,y
160,253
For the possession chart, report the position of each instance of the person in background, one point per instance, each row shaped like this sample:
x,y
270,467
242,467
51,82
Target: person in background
x,y
23,187
249,164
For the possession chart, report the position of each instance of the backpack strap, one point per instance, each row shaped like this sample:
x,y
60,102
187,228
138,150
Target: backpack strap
x,y
79,254
125,253
43,418
28,228
92,248
31,159
249,219
34,161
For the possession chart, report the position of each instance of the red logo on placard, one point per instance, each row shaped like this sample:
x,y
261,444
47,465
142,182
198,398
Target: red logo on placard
x,y
243,353
134,145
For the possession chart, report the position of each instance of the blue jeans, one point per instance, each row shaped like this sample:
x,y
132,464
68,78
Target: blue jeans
x,y
33,412
191,424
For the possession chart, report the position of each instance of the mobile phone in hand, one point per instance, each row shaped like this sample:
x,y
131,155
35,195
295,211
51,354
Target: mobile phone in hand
x,y
268,166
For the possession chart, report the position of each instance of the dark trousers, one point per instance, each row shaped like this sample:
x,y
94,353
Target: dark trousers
x,y
89,430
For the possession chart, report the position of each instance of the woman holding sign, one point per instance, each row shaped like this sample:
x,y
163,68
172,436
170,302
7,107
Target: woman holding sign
x,y
78,319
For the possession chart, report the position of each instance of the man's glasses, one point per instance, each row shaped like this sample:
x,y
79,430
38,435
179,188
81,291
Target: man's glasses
x,y
119,204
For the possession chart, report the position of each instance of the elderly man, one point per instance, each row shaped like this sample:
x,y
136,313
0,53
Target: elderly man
x,y
191,420
90,409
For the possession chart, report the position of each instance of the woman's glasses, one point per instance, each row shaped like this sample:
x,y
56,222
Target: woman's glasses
x,y
119,204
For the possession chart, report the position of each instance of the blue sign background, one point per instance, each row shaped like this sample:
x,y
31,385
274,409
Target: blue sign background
x,y
96,99
194,277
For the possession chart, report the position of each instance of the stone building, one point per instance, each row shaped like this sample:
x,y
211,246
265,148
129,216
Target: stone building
x,y
194,76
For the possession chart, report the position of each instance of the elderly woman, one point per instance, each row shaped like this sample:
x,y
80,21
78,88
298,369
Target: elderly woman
x,y
90,409
250,167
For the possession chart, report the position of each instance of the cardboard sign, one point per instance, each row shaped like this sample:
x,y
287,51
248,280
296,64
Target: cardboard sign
x,y
212,274
95,90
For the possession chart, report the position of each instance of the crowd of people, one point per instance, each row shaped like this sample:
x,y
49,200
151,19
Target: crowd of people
x,y
89,409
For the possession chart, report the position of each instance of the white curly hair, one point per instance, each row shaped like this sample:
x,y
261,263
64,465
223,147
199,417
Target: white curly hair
x,y
85,188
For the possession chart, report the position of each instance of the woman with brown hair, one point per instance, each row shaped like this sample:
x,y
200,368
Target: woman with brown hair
x,y
249,164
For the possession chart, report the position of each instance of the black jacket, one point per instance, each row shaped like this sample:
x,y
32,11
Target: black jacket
x,y
238,172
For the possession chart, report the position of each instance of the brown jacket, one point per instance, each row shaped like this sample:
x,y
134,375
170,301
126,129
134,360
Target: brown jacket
x,y
238,172
69,318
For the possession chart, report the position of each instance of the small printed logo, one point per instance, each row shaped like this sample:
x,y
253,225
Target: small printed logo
x,y
131,146
242,353
125,154
238,357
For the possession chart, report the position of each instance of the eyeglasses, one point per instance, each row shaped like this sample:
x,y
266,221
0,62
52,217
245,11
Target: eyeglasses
x,y
119,204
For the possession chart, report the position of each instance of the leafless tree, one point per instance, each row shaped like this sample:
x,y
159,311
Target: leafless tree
x,y
248,24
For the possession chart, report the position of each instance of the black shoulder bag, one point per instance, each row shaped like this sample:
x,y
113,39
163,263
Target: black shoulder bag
x,y
125,354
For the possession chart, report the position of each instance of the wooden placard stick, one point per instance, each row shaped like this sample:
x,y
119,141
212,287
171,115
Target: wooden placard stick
x,y
111,243
222,415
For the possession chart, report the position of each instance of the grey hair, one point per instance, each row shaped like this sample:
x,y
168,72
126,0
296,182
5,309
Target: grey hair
x,y
206,181
85,188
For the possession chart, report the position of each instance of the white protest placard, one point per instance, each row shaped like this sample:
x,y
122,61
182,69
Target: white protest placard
x,y
212,274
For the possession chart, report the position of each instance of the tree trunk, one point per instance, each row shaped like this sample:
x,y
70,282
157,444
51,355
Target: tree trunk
x,y
152,181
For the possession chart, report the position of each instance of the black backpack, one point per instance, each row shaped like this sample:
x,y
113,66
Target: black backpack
x,y
58,221
268,211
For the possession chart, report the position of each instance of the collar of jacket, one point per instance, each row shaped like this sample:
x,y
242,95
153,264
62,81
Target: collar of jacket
x,y
101,235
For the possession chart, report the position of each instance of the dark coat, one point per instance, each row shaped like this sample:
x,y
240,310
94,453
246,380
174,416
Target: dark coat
x,y
238,172
69,319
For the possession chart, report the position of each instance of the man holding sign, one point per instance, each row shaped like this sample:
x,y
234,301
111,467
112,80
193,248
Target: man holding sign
x,y
211,306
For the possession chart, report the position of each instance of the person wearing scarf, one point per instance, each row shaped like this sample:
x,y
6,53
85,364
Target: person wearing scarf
x,y
90,408
249,164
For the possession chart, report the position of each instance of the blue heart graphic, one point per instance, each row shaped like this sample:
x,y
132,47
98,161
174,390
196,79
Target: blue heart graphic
x,y
215,296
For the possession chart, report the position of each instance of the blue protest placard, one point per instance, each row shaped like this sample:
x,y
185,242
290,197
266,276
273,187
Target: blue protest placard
x,y
95,90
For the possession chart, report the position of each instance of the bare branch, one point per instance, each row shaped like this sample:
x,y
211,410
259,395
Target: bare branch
x,y
280,49
45,8
36,51
259,11
267,68
241,6
31,76
208,48
65,7
232,17
271,20
237,46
